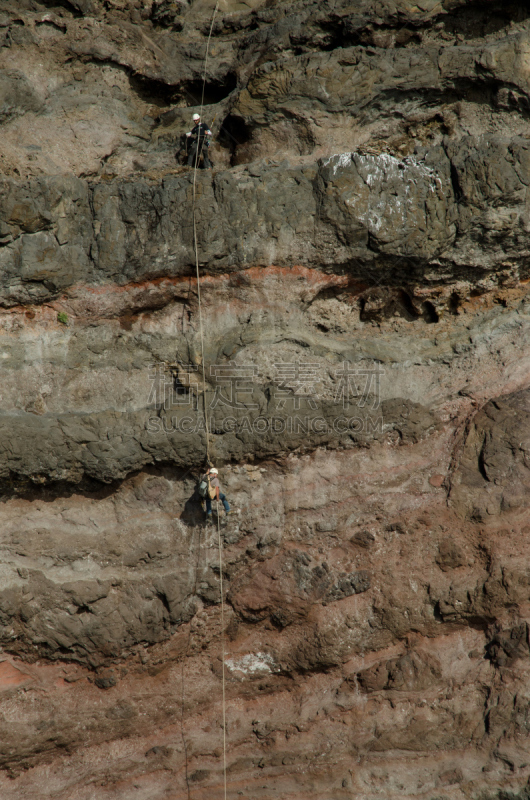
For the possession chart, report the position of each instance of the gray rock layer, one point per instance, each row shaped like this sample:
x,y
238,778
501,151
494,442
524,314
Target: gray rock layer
x,y
422,218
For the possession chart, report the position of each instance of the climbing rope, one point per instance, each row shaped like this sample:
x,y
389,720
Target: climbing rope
x,y
200,327
196,246
219,540
220,543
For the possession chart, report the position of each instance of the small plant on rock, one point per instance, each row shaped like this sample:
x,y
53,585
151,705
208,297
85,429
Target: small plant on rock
x,y
62,317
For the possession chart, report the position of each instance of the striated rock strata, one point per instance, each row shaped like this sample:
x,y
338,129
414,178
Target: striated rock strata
x,y
362,352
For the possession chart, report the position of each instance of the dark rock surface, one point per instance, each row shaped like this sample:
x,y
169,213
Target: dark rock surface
x,y
416,219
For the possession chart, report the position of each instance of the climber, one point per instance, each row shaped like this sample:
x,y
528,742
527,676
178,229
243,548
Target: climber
x,y
199,136
214,491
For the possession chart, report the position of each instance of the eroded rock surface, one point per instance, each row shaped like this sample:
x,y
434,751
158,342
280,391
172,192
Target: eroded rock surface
x,y
361,348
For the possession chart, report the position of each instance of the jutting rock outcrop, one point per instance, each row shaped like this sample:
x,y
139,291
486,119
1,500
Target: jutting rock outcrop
x,y
355,359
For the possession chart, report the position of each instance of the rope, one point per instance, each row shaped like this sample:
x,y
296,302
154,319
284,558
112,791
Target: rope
x,y
220,542
196,246
200,326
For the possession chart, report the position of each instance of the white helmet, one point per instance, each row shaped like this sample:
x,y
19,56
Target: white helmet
x,y
214,471
196,117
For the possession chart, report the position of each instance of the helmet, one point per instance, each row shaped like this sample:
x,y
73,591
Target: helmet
x,y
196,117
214,471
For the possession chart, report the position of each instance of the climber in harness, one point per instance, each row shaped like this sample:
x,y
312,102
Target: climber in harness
x,y
209,489
199,143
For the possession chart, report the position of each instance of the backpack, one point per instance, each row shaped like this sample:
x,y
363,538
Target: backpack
x,y
203,488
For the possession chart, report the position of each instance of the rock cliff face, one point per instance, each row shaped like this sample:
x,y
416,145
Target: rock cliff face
x,y
356,359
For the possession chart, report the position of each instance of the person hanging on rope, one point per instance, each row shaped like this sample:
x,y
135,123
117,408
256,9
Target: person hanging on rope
x,y
199,136
210,478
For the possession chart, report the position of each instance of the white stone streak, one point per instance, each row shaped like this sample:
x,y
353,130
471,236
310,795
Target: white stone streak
x,y
385,166
252,664
343,160
395,187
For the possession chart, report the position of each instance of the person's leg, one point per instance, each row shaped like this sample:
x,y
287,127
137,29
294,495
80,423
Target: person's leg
x,y
224,501
207,162
208,507
192,154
